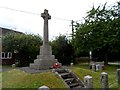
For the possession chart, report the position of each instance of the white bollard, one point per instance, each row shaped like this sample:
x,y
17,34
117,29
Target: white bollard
x,y
88,81
118,76
104,80
13,65
71,64
43,88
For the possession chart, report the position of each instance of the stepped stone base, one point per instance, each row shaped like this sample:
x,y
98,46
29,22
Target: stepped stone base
x,y
45,60
43,64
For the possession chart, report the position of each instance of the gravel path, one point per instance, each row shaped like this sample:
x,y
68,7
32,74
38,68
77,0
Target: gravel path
x,y
32,71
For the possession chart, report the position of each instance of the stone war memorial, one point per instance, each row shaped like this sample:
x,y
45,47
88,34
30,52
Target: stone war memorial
x,y
45,60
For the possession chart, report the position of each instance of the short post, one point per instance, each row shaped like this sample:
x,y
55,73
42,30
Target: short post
x,y
43,88
90,53
97,67
13,65
104,80
88,81
93,67
118,76
101,66
71,64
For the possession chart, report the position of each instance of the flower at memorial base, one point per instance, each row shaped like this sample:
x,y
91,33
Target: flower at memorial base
x,y
56,74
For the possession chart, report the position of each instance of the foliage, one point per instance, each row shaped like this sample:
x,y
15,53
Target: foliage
x,y
100,33
62,49
27,46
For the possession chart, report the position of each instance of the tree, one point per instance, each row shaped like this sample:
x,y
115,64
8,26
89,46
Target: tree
x,y
26,44
99,33
62,49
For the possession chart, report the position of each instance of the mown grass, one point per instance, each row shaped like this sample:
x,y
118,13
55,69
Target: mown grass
x,y
83,70
19,79
6,66
0,80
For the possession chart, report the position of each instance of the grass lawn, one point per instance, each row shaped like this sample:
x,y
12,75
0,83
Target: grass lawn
x,y
82,70
0,79
7,66
19,79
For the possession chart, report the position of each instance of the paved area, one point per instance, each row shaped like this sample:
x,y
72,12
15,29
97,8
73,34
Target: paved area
x,y
29,70
114,63
0,69
32,71
6,69
25,69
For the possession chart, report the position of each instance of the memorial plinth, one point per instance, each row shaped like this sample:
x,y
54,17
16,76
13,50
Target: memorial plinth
x,y
45,60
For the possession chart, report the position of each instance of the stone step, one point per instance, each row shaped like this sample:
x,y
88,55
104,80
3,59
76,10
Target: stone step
x,y
45,56
64,74
79,86
72,85
32,65
68,80
60,71
45,61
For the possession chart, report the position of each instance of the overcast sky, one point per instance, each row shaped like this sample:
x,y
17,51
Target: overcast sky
x,y
61,11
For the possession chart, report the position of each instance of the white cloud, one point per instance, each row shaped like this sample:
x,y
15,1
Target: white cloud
x,y
66,9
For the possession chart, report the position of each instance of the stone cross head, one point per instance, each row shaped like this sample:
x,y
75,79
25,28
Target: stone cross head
x,y
45,15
